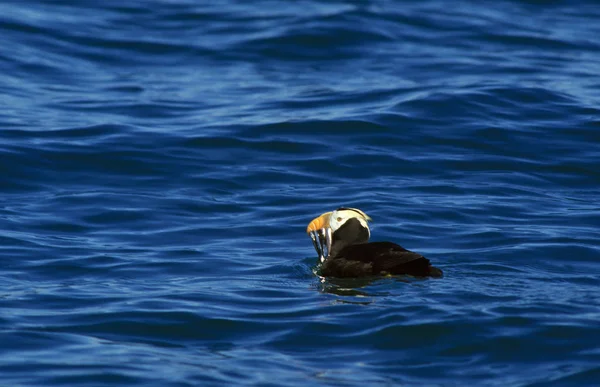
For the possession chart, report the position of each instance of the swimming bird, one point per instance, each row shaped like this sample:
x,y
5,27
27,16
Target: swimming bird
x,y
341,238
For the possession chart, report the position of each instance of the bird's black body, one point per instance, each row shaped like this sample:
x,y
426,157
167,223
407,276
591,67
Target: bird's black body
x,y
353,256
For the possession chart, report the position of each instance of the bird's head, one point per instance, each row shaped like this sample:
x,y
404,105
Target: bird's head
x,y
344,225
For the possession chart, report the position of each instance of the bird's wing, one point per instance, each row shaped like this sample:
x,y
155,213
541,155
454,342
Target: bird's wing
x,y
386,257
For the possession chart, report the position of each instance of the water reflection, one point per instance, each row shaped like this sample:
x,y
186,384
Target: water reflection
x,y
353,288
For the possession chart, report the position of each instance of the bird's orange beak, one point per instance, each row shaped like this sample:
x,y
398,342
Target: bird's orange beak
x,y
320,233
322,221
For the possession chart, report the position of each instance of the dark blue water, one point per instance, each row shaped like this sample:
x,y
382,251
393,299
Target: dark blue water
x,y
160,161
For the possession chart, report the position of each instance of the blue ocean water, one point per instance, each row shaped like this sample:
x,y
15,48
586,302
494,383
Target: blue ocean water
x,y
160,161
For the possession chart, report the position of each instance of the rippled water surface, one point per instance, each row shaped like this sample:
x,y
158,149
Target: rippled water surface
x,y
160,161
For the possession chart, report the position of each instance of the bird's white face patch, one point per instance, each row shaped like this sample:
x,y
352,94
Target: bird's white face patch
x,y
339,217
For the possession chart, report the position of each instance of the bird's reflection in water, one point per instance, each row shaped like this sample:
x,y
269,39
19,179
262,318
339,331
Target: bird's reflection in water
x,y
356,290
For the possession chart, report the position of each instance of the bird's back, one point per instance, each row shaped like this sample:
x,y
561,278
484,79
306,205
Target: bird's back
x,y
377,258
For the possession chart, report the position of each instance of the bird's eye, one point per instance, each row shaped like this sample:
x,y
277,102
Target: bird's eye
x,y
339,219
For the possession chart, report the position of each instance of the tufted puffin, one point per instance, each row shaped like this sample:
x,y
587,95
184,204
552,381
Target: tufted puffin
x,y
341,238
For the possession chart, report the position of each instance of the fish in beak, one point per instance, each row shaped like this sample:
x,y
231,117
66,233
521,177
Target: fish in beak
x,y
320,233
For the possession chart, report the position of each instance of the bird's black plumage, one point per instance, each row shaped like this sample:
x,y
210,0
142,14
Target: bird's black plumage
x,y
353,256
